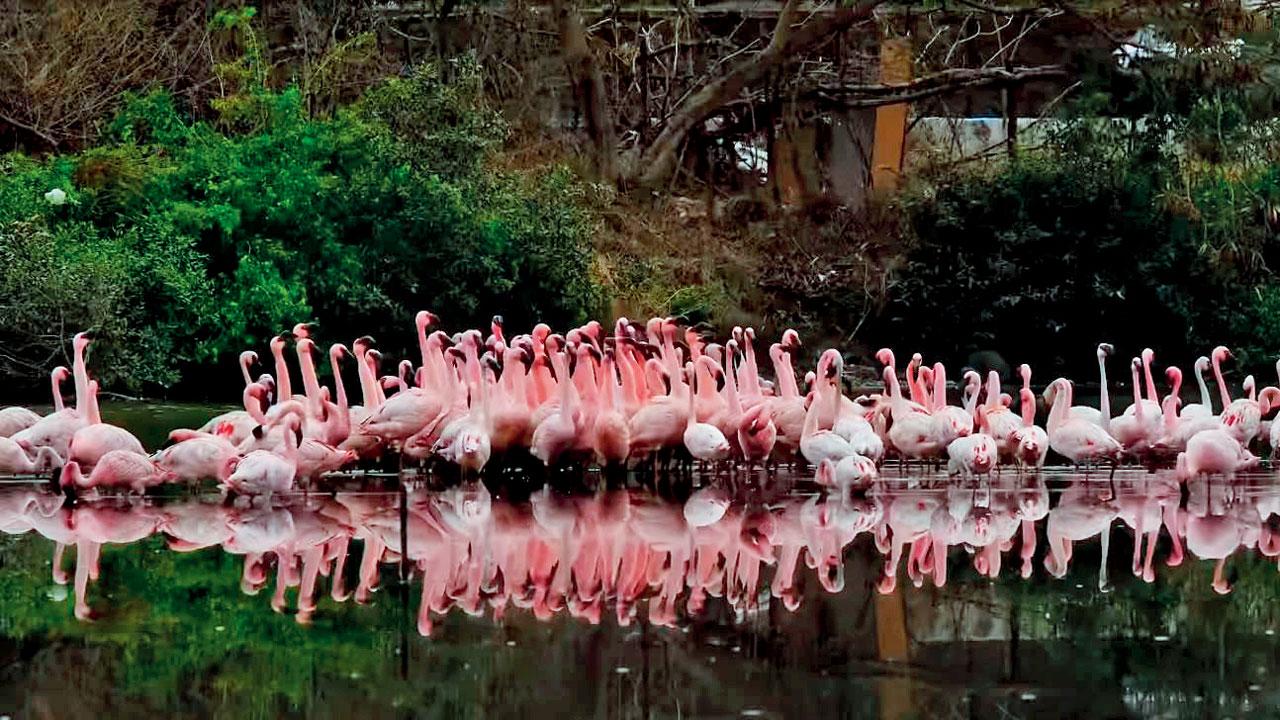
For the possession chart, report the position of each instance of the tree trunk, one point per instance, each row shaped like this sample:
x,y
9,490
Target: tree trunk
x,y
588,89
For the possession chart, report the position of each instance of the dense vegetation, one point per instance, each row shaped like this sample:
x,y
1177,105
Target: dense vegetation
x,y
184,241
281,180
1155,226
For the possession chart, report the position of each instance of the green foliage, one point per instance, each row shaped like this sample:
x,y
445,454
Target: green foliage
x,y
1156,230
191,241
435,121
141,288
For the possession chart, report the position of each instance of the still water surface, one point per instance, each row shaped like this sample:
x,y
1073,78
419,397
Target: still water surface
x,y
627,601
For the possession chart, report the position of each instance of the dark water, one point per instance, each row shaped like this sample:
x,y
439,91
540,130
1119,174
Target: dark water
x,y
624,601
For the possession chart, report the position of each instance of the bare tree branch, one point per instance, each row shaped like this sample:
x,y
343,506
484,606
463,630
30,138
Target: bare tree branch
x,y
945,81
655,162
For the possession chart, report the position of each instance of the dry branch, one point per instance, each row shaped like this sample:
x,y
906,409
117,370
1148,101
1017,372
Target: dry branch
x,y
652,164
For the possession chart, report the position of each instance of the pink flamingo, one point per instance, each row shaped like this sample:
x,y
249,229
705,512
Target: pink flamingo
x,y
1204,408
1075,439
912,430
558,434
1002,423
703,440
1214,452
263,472
14,458
196,458
117,469
1032,442
611,438
949,422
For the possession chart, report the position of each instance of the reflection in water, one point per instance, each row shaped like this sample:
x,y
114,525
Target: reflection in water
x,y
921,597
622,552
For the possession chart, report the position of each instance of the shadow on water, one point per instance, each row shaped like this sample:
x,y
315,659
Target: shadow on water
x,y
1015,596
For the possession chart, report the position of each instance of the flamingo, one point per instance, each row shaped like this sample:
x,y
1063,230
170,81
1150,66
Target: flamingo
x,y
263,472
1204,408
1075,439
117,469
704,441
1031,441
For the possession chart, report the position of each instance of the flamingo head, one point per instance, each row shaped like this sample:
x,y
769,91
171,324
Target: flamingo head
x,y
865,468
1202,364
306,346
164,475
1269,398
1220,353
361,345
70,471
736,334
825,475
1105,350
790,340
82,340
982,458
248,358
1147,356
337,352
831,364
303,330
884,356
60,374
425,319
228,467
1024,371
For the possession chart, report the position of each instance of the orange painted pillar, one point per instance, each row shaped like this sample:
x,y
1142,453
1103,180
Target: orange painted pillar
x,y
893,645
891,120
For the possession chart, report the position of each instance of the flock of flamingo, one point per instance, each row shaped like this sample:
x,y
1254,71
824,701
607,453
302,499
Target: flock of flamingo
x,y
642,392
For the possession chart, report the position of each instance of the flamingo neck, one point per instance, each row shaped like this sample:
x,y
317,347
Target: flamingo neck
x,y
731,383
81,374
1137,396
1205,399
284,388
939,387
1152,394
1104,394
310,380
56,381
1027,405
993,390
913,386
1222,384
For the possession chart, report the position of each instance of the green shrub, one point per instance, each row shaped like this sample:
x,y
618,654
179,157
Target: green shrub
x,y
1044,257
207,238
143,290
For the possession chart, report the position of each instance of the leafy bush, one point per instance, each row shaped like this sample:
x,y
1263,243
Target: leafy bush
x,y
141,289
1150,219
195,241
1043,258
